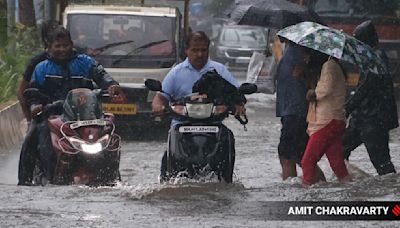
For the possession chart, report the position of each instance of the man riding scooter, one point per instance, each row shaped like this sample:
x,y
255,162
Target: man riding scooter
x,y
55,77
180,80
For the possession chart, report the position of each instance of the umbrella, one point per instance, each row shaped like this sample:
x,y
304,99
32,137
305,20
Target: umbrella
x,y
269,13
334,43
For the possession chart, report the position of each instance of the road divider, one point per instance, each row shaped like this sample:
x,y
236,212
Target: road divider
x,y
12,126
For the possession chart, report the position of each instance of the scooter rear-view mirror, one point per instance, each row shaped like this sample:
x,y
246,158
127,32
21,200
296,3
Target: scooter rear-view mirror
x,y
153,85
36,94
247,88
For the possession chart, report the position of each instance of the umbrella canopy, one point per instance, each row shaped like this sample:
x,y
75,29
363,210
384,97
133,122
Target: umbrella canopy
x,y
334,43
268,13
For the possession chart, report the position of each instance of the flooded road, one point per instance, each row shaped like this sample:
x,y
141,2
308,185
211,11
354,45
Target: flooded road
x,y
140,201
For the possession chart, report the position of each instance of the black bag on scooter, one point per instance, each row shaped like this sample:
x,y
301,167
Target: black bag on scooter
x,y
218,89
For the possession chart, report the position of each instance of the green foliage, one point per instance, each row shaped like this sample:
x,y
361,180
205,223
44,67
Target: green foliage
x,y
26,40
8,76
13,58
3,30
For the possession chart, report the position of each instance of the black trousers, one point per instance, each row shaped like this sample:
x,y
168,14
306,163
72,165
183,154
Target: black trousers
x,y
36,151
28,154
293,139
376,140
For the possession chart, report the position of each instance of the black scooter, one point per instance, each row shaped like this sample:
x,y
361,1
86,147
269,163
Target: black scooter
x,y
200,143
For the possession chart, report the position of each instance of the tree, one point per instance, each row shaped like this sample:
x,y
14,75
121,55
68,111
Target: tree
x,y
27,13
3,23
3,4
63,4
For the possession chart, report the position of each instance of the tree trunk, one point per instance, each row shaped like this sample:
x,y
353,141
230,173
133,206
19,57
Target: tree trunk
x,y
3,23
10,23
63,5
3,5
50,9
27,13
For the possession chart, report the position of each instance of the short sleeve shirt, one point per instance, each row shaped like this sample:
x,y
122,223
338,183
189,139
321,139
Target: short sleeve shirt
x,y
180,80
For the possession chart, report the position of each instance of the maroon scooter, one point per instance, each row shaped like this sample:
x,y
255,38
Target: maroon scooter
x,y
85,148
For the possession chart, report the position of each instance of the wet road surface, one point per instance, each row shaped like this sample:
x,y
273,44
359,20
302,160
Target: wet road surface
x,y
140,201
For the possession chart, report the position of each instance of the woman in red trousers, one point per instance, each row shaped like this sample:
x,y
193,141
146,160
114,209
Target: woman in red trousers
x,y
326,122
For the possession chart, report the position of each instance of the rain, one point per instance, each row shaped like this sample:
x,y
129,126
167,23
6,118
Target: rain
x,y
140,200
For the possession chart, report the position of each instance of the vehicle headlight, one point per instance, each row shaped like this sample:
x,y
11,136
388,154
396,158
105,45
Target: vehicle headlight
x,y
90,148
220,51
219,109
199,111
179,109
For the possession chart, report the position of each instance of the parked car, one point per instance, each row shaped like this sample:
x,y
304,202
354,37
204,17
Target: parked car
x,y
236,43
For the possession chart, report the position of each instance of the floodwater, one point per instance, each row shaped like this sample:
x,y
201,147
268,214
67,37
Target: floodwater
x,y
140,201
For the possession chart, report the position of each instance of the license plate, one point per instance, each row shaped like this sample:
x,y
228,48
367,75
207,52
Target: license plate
x,y
87,123
198,129
120,109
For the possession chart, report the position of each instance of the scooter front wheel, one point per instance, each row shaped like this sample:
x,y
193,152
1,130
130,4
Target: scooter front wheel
x,y
227,172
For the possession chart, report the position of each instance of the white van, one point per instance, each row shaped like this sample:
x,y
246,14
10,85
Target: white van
x,y
133,43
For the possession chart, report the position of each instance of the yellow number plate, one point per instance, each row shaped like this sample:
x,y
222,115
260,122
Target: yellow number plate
x,y
120,109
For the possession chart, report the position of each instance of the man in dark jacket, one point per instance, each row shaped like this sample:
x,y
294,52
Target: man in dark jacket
x,y
292,107
55,77
46,29
372,109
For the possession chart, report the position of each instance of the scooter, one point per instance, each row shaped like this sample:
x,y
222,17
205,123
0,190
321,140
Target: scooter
x,y
200,143
84,148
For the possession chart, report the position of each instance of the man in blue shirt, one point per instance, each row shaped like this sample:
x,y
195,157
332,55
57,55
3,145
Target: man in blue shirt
x,y
180,80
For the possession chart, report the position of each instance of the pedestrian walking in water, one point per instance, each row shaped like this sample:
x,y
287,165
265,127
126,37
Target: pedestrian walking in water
x,y
372,109
291,106
326,118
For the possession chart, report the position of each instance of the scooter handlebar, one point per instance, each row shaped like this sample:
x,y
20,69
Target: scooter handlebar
x,y
51,108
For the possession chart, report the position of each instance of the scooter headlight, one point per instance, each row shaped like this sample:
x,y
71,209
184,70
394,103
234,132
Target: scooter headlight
x,y
90,148
199,111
